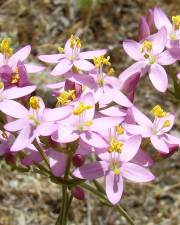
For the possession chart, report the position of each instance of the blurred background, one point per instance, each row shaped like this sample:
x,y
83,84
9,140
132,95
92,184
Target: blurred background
x,y
26,199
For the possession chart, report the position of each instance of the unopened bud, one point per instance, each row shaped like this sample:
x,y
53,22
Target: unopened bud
x,y
78,160
78,193
10,158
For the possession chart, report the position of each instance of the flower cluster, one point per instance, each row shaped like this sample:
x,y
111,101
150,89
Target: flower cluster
x,y
94,114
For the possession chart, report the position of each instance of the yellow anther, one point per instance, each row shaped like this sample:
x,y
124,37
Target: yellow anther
x,y
119,130
66,97
176,22
167,123
101,60
81,108
146,47
157,111
34,102
75,42
115,146
110,72
32,118
74,68
88,123
15,77
5,47
61,50
4,135
1,85
116,171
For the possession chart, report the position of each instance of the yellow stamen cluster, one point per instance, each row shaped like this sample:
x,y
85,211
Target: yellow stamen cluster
x,y
116,170
115,146
101,60
110,72
15,77
176,22
32,118
1,85
5,47
81,108
61,50
167,123
34,102
146,47
4,135
119,130
66,97
157,111
75,42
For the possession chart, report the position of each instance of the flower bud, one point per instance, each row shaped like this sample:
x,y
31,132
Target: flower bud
x,y
10,158
78,160
78,193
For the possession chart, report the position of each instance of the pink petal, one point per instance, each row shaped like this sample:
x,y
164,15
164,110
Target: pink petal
x,y
13,108
92,54
67,48
166,58
57,113
130,148
150,18
133,49
159,123
159,144
33,68
113,111
158,77
161,20
170,139
21,54
57,161
136,129
62,67
114,187
91,171
51,58
84,65
141,118
120,98
46,128
94,139
144,30
104,123
16,125
24,139
134,68
84,148
136,173
17,92
142,158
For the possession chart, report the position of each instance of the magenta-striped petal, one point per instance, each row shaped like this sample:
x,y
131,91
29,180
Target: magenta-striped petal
x,y
158,77
17,92
54,58
33,68
84,65
91,171
114,187
136,173
166,58
142,158
92,54
62,67
21,54
144,30
159,144
130,148
133,49
24,139
13,108
161,20
16,125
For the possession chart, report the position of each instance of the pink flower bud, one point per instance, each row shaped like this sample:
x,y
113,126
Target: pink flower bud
x,y
10,158
70,85
78,160
78,193
172,150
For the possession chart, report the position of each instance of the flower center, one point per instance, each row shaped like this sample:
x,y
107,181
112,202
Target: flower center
x,y
157,111
176,22
81,108
75,44
5,47
66,97
34,102
33,119
115,146
15,77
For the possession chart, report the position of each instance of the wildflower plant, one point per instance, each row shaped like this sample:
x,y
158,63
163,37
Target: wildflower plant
x,y
94,115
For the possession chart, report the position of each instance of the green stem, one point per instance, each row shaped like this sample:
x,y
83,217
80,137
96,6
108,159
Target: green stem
x,y
101,196
42,153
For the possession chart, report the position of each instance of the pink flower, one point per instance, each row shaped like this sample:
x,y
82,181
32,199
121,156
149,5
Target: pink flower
x,y
71,57
150,58
173,29
157,131
11,60
33,122
82,125
114,166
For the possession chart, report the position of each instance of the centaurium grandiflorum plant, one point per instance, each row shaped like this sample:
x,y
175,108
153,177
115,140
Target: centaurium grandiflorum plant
x,y
94,129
